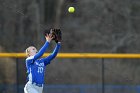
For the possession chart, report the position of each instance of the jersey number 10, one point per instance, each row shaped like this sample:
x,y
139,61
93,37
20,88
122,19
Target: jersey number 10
x,y
40,69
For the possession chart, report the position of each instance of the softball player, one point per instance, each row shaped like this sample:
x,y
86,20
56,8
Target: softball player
x,y
36,67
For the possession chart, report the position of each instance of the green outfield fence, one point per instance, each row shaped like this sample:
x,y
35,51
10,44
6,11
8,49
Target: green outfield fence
x,y
101,56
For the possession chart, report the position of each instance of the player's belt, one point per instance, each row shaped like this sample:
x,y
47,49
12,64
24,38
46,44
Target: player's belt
x,y
39,85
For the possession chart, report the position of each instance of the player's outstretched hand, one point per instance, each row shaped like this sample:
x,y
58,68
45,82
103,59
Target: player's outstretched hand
x,y
49,37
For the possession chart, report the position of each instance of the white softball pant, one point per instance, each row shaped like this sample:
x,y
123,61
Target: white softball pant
x,y
32,88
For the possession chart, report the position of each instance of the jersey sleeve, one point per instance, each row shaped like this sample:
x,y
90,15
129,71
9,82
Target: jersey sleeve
x,y
52,55
29,60
41,51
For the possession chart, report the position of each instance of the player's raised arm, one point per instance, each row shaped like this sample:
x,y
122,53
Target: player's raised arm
x,y
44,48
53,54
58,37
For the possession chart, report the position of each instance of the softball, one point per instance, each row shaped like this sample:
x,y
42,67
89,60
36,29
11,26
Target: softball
x,y
71,9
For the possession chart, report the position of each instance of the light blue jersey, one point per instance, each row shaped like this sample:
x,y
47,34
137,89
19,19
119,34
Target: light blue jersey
x,y
36,67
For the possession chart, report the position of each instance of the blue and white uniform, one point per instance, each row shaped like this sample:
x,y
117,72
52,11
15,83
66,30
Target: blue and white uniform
x,y
36,69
